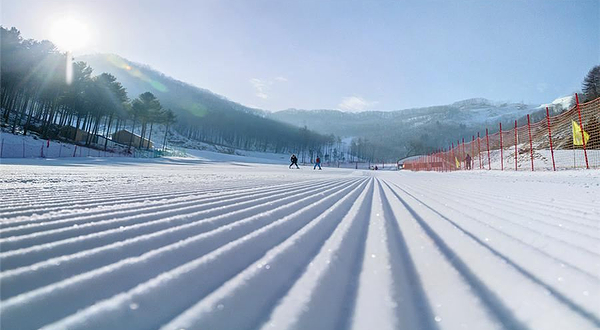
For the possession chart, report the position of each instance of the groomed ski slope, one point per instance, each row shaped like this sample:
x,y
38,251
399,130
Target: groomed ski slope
x,y
193,244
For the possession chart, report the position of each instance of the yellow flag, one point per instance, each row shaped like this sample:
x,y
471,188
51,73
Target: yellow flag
x,y
577,135
457,162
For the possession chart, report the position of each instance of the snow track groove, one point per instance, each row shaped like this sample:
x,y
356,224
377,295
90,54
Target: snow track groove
x,y
29,277
210,270
528,238
262,247
107,221
26,256
279,268
53,220
490,299
562,248
99,201
581,242
552,290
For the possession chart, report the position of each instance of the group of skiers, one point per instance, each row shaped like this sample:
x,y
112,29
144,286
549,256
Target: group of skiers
x,y
294,161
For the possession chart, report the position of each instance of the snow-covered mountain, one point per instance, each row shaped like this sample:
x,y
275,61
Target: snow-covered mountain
x,y
466,112
481,110
400,131
560,104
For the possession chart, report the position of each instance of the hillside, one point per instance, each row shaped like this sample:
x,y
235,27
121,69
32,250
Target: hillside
x,y
203,115
411,131
387,135
139,78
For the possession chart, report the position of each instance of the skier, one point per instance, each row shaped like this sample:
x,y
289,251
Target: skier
x,y
317,163
294,161
468,162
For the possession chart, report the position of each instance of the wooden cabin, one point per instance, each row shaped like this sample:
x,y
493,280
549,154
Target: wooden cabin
x,y
124,136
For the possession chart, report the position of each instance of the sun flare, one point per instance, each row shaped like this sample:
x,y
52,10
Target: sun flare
x,y
69,34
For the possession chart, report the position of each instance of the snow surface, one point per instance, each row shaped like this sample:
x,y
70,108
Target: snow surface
x,y
564,102
542,159
30,146
219,243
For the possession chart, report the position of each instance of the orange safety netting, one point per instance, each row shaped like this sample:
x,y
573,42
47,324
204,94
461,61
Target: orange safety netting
x,y
565,141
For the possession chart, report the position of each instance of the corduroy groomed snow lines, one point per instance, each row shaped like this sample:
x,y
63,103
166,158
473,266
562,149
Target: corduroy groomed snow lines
x,y
186,246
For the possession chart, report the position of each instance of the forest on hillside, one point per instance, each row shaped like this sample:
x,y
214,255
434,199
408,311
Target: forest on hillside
x,y
208,117
45,92
40,95
389,135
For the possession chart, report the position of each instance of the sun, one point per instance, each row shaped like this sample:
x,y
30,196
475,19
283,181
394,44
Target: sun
x,y
69,34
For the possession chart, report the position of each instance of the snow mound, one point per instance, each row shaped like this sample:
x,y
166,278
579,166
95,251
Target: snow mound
x,y
563,102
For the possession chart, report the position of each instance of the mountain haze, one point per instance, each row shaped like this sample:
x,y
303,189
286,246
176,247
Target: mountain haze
x,y
387,135
203,115
139,78
412,131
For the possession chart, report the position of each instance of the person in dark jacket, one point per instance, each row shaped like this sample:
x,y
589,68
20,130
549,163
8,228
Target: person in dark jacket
x,y
294,161
468,160
317,163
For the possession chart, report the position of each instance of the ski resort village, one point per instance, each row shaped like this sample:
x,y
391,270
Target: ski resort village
x,y
299,165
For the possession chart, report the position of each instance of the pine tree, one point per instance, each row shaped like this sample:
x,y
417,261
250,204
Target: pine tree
x,y
591,84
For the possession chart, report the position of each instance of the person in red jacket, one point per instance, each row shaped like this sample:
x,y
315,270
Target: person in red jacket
x,y
317,163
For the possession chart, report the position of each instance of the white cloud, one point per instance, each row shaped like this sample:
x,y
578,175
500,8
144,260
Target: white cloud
x,y
355,103
261,88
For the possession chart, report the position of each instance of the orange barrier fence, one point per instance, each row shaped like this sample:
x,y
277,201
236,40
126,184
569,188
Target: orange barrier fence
x,y
565,141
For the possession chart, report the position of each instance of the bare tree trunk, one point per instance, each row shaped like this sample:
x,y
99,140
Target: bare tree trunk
x,y
165,139
28,121
149,136
76,127
19,115
131,136
106,131
142,133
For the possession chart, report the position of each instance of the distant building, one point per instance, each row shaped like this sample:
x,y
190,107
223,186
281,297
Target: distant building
x,y
73,133
124,136
101,141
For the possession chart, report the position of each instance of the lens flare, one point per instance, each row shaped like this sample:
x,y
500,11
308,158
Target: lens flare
x,y
69,73
119,63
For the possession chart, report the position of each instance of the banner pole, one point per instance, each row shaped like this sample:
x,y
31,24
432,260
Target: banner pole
x,y
479,150
587,165
501,150
550,138
516,150
530,143
487,139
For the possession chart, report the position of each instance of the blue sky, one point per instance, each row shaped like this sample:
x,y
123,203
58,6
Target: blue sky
x,y
349,55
